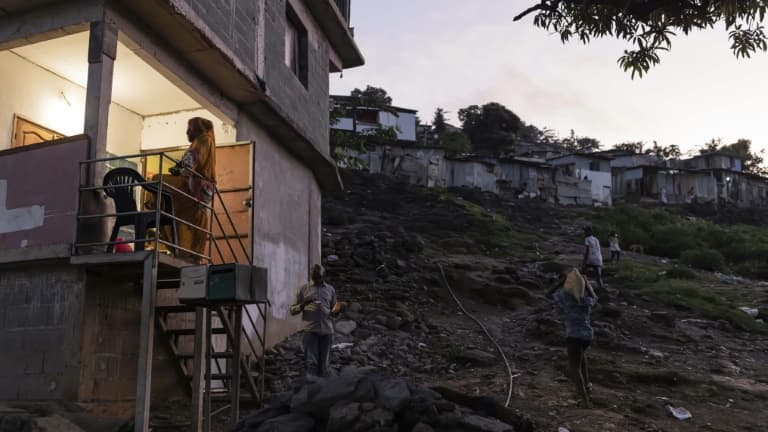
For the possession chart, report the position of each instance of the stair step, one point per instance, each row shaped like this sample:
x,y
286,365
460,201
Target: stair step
x,y
168,283
191,331
174,309
189,355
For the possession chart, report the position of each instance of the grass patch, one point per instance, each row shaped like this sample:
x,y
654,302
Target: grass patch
x,y
704,259
678,272
634,275
492,234
699,243
702,299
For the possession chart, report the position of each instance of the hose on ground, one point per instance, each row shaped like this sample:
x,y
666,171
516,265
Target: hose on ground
x,y
487,334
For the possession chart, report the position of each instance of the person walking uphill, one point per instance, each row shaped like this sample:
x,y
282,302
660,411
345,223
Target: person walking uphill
x,y
576,298
613,240
317,303
593,257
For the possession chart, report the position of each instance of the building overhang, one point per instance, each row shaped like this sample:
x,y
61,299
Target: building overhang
x,y
336,28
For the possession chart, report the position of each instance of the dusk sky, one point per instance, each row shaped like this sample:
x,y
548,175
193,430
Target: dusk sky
x,y
453,53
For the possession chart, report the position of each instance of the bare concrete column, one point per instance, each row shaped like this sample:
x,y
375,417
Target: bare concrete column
x,y
102,50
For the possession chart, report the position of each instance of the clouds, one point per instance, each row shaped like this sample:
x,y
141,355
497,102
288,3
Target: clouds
x,y
455,53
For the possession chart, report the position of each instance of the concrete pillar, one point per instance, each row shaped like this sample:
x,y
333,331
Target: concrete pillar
x,y
102,50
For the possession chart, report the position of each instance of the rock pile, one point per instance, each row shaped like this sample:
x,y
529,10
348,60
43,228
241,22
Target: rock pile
x,y
360,400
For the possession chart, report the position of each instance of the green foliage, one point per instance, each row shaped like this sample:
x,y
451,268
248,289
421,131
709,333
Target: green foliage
x,y
438,122
374,97
455,142
665,234
491,128
579,144
705,259
678,272
630,147
348,146
650,25
707,301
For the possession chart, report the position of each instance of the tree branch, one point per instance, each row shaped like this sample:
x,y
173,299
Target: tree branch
x,y
528,12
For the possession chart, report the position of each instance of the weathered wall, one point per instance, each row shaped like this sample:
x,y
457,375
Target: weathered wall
x,y
308,107
38,193
110,345
286,214
472,174
40,323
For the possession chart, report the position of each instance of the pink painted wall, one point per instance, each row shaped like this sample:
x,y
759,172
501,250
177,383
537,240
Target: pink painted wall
x,y
41,175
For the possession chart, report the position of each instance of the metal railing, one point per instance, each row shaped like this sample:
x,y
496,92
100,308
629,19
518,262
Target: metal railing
x,y
221,222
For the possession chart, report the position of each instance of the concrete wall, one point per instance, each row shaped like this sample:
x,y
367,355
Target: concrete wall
x,y
582,163
169,130
286,216
472,174
233,24
38,193
601,182
308,107
405,123
40,323
51,101
419,165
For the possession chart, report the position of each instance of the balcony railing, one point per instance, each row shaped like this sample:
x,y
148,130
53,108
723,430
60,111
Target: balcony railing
x,y
344,7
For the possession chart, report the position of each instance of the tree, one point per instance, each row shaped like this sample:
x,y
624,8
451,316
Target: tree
x,y
455,142
649,25
438,122
491,128
671,151
531,133
579,144
630,147
372,97
712,145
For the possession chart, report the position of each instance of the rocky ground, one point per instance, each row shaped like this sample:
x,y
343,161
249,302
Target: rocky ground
x,y
383,242
407,359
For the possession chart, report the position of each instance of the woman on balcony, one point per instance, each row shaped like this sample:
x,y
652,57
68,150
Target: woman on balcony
x,y
194,175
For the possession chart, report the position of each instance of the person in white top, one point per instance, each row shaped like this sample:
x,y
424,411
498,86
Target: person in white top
x,y
593,258
613,240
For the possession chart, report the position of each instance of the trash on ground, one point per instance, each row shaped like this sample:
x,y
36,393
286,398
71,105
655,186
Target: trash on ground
x,y
680,413
753,312
343,345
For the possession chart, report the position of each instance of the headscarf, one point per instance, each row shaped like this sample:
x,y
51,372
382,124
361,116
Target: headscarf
x,y
203,148
577,285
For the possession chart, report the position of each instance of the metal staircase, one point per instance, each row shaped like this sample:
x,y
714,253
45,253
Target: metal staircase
x,y
235,335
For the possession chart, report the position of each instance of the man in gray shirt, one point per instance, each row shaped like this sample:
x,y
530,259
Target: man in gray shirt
x,y
317,303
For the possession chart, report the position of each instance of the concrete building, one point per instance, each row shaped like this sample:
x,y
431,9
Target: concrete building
x,y
593,167
715,160
424,166
362,119
473,171
84,80
522,177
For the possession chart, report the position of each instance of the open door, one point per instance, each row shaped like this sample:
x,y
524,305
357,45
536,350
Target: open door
x,y
233,177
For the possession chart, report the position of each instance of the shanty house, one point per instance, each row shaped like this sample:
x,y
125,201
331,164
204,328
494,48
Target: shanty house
x,y
591,167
